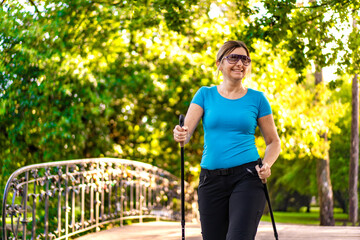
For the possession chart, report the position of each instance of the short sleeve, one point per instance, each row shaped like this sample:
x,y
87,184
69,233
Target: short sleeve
x,y
199,97
264,106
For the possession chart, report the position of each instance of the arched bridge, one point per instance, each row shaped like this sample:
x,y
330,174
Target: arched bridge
x,y
58,200
61,200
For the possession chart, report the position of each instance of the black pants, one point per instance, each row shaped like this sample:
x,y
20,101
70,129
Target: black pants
x,y
231,203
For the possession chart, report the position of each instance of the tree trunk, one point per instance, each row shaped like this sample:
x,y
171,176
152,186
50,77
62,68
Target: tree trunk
x,y
354,154
325,191
323,177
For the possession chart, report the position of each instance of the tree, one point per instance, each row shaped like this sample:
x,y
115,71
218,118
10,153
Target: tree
x,y
323,171
354,154
354,150
306,31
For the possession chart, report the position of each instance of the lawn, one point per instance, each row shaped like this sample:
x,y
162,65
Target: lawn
x,y
302,217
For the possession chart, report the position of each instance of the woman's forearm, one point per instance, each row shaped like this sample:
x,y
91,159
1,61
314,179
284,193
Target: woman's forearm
x,y
272,152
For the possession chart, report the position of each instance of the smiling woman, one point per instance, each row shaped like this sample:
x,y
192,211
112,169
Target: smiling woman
x,y
231,196
237,54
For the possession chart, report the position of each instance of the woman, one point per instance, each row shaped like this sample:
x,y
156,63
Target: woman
x,y
231,196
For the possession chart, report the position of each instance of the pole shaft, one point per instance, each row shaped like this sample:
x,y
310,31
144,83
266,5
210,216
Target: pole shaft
x,y
181,123
182,193
268,200
270,210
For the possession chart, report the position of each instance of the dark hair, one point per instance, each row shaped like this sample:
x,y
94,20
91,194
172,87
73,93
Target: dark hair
x,y
228,47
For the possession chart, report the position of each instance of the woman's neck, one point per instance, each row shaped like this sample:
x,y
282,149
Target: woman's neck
x,y
231,87
232,90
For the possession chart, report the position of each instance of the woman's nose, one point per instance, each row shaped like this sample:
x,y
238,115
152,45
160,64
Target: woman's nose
x,y
240,63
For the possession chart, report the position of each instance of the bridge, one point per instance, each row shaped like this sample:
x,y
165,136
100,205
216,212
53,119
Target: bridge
x,y
59,200
171,231
101,198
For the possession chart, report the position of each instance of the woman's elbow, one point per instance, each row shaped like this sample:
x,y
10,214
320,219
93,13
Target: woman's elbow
x,y
277,143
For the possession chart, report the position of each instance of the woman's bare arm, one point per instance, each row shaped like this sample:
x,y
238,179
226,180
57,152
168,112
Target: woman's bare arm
x,y
273,144
192,119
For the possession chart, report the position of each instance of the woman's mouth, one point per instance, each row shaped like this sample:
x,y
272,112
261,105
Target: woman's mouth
x,y
238,70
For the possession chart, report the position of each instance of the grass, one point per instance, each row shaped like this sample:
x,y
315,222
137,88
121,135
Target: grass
x,y
302,217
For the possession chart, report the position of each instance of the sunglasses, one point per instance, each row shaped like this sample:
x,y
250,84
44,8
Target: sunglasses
x,y
234,58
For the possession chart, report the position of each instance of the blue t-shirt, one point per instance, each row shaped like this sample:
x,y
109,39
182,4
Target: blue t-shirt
x,y
229,127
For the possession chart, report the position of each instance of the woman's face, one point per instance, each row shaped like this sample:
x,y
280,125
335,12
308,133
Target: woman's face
x,y
235,71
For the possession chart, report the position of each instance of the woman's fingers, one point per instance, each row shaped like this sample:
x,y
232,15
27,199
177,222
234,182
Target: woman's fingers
x,y
263,172
180,133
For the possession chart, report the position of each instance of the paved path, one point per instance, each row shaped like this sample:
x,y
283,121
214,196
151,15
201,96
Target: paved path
x,y
172,231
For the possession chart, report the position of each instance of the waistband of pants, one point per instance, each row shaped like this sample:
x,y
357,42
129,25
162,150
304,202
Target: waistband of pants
x,y
229,171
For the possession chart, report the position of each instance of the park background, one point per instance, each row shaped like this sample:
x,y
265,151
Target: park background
x,y
109,78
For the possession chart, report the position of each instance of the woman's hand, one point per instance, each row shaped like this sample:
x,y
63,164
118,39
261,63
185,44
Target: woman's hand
x,y
264,172
180,134
183,134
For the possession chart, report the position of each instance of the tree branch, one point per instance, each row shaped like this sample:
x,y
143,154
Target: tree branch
x,y
330,3
36,9
113,3
310,19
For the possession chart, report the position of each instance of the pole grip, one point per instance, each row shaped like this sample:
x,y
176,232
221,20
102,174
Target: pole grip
x,y
259,161
181,120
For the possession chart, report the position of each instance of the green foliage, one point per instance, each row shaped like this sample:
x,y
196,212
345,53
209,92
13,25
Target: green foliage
x,y
307,29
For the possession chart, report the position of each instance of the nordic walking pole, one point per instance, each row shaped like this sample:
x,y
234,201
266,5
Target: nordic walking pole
x,y
181,123
268,200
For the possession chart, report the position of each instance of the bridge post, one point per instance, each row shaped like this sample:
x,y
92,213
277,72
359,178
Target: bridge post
x,y
34,172
82,169
97,210
66,201
24,203
46,195
140,199
59,175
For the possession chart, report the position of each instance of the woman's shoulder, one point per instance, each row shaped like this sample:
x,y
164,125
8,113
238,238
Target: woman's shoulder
x,y
204,92
257,95
255,92
206,89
